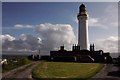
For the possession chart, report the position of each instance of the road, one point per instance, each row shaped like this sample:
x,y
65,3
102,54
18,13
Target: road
x,y
109,72
23,72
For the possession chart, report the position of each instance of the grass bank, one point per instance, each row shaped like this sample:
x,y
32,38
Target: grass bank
x,y
66,70
12,64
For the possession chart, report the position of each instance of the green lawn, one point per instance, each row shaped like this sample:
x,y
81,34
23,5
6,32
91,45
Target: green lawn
x,y
66,70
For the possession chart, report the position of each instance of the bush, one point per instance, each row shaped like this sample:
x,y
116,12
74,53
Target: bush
x,y
14,63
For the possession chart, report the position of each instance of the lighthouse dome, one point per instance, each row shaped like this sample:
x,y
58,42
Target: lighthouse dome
x,y
82,9
82,6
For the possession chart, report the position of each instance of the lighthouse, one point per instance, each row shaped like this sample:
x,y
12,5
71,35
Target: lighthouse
x,y
82,27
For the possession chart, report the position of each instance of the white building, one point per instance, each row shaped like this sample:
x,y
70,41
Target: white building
x,y
82,27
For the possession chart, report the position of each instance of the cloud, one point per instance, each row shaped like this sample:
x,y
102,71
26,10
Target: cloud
x,y
109,44
7,37
94,22
23,43
52,41
54,35
19,26
50,37
4,38
109,19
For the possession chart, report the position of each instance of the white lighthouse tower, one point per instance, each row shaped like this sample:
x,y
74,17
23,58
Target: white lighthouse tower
x,y
82,27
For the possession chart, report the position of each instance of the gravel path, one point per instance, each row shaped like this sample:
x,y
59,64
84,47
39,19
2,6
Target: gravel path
x,y
23,72
109,72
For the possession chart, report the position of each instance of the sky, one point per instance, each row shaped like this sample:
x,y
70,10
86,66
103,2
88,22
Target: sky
x,y
47,25
59,1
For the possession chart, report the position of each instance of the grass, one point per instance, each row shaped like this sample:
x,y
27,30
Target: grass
x,y
12,65
66,70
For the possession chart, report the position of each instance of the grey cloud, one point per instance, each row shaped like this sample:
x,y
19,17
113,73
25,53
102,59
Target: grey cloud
x,y
109,44
51,36
25,42
55,35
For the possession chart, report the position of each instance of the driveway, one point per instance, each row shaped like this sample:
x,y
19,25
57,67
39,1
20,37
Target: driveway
x,y
23,72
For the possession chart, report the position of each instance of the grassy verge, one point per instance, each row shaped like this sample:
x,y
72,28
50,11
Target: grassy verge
x,y
66,70
12,64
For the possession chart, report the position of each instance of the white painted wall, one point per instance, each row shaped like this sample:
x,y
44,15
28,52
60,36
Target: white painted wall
x,y
83,32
